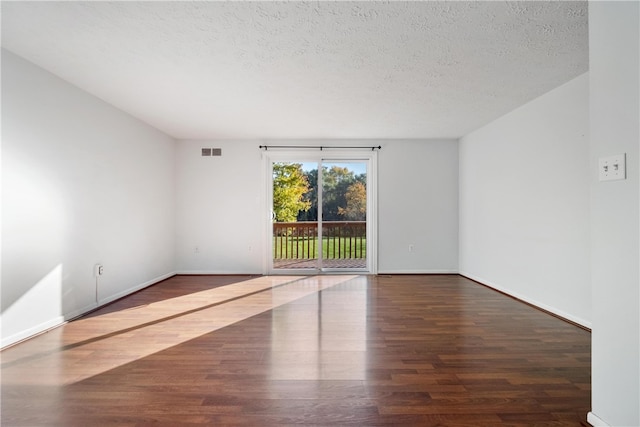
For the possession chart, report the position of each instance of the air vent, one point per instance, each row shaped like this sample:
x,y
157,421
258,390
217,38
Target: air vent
x,y
211,152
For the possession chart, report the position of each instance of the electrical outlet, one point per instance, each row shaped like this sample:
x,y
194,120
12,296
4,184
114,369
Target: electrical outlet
x,y
612,168
98,270
411,248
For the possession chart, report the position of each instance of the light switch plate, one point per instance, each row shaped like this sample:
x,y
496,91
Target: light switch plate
x,y
612,168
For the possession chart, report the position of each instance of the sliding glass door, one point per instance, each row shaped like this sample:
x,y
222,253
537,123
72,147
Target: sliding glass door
x,y
320,215
344,215
295,216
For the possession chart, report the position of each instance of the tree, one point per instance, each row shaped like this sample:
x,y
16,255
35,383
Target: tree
x,y
335,182
356,198
311,197
289,187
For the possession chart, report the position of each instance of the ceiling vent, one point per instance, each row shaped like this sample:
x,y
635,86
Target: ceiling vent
x,y
206,152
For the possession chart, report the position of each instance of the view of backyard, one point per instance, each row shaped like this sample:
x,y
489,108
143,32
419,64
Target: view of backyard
x,y
299,237
339,241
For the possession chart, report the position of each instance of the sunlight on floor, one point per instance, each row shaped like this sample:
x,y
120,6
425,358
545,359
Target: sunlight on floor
x,y
322,337
84,348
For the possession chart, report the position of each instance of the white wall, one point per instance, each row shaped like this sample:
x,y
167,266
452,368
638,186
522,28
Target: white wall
x,y
524,202
614,49
220,202
418,206
82,183
221,206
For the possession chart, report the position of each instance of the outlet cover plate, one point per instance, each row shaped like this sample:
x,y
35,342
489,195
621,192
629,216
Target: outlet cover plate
x,y
612,168
98,270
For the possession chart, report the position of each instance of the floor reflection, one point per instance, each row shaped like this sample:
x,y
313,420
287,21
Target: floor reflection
x,y
90,346
322,336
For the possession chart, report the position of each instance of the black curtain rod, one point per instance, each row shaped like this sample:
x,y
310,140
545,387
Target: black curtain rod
x,y
320,147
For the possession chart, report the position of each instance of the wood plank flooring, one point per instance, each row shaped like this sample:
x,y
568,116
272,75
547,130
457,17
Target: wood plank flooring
x,y
321,350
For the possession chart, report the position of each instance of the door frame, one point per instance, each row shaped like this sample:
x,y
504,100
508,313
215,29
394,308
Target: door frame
x,y
313,155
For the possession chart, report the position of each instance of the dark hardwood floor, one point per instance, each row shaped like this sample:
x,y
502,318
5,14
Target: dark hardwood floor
x,y
322,350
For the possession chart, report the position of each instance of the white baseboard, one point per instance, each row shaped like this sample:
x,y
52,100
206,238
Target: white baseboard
x,y
290,272
79,312
595,421
35,330
219,273
60,320
417,271
136,288
554,310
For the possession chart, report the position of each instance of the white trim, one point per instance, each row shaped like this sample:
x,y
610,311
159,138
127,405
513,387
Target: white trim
x,y
35,330
418,272
596,421
372,213
302,155
79,312
554,310
218,273
136,288
61,320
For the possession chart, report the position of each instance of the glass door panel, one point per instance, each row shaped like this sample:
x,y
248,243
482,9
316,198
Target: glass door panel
x,y
344,215
319,221
295,216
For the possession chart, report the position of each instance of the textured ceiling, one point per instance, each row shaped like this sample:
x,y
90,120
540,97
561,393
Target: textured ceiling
x,y
306,69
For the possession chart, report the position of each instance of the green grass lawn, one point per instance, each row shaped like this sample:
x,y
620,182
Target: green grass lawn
x,y
287,247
